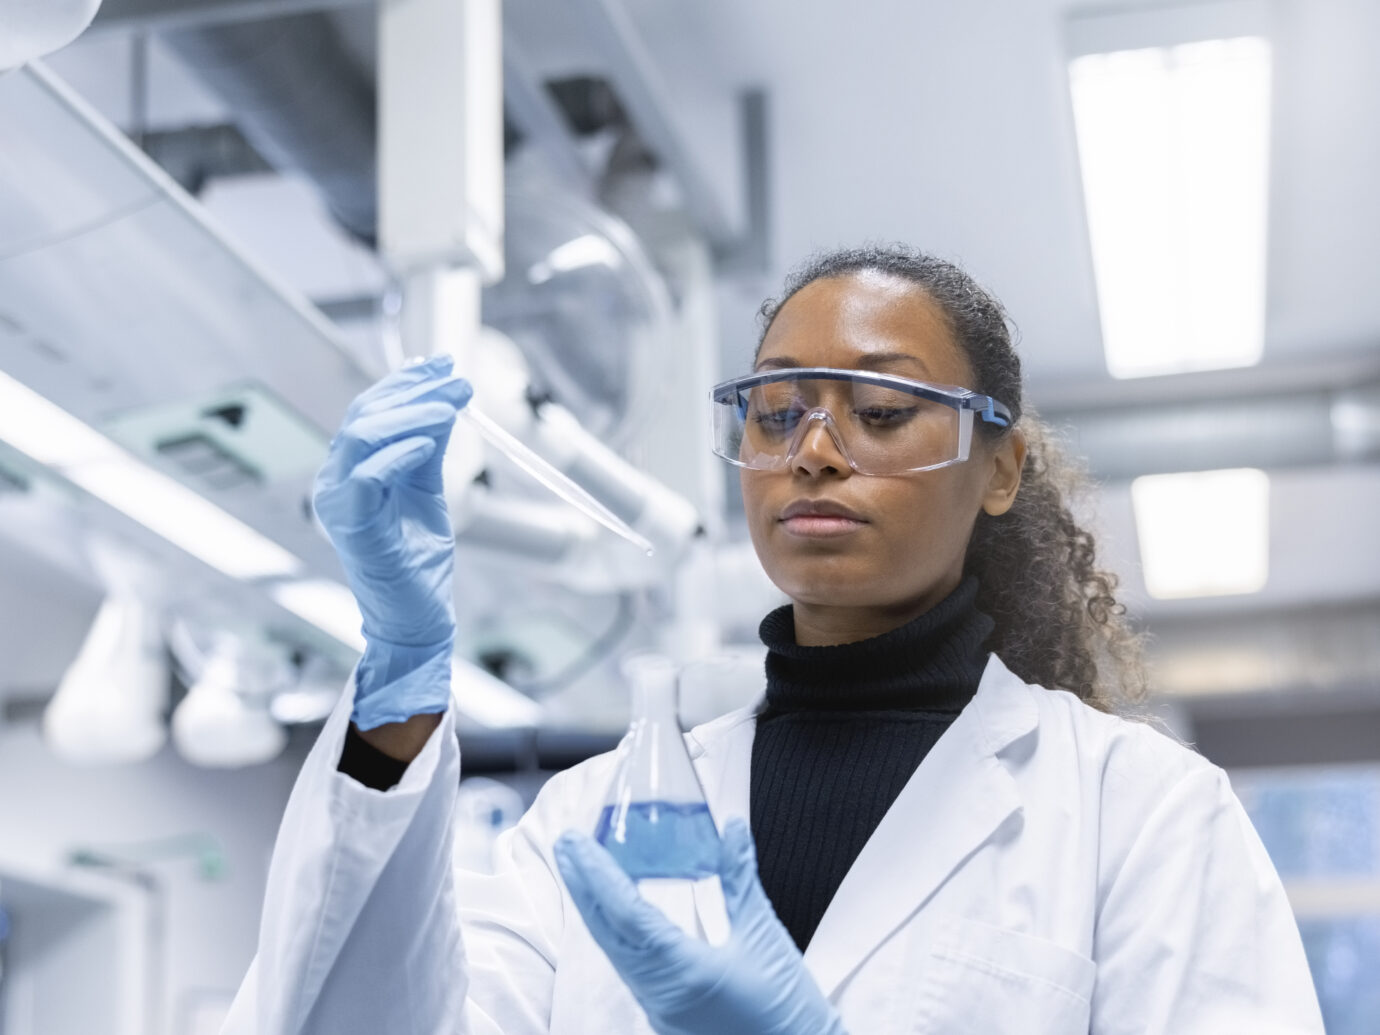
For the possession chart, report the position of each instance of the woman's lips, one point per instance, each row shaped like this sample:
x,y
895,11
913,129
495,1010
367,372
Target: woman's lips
x,y
820,526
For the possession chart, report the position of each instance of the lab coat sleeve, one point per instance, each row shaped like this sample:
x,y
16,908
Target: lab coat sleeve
x,y
361,931
1194,934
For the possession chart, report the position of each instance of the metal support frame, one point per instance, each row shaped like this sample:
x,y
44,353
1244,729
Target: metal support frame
x,y
195,154
630,67
643,95
533,112
440,142
751,253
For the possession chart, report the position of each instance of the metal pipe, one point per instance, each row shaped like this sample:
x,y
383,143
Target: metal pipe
x,y
1295,429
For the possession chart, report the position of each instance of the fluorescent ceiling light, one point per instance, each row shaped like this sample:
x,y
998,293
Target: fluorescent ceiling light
x,y
48,433
184,519
325,604
1204,533
1173,143
85,457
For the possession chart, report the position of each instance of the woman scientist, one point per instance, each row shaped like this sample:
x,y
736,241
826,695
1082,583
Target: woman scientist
x,y
939,843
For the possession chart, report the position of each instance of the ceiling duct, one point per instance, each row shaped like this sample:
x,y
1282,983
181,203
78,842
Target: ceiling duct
x,y
300,100
1306,427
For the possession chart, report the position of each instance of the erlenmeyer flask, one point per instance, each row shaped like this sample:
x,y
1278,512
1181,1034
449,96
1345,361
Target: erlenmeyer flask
x,y
655,820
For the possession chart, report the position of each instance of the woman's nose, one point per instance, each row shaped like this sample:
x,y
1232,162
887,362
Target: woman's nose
x,y
819,450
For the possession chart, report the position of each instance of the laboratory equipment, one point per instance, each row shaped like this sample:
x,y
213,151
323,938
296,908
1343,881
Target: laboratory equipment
x,y
553,479
223,722
655,821
109,704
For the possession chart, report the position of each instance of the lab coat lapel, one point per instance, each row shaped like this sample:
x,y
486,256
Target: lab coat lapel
x,y
957,797
722,753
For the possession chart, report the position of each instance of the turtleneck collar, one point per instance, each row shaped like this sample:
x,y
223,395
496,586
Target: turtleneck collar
x,y
933,662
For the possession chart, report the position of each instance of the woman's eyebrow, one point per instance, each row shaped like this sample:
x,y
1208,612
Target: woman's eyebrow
x,y
881,359
868,361
774,362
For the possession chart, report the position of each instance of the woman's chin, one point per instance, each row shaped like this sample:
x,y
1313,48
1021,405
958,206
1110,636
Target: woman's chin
x,y
830,588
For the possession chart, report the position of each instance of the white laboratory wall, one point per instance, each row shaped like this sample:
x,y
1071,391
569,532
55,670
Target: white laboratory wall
x,y
48,809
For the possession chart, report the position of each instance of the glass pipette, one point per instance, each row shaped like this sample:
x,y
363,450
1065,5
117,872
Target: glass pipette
x,y
555,480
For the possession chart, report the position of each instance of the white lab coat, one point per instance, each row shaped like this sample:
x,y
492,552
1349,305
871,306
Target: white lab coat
x,y
1047,869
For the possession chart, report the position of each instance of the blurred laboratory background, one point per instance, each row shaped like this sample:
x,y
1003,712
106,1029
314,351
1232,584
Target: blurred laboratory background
x,y
222,219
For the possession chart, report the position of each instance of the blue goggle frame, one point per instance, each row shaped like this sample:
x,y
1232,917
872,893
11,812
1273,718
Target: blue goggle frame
x,y
983,406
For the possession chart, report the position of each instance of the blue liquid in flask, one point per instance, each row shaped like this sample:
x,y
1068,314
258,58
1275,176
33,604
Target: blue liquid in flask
x,y
661,839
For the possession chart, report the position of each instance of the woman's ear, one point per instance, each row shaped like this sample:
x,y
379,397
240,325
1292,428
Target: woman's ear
x,y
1008,460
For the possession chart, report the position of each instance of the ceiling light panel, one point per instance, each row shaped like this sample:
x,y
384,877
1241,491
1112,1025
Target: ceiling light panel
x,y
1203,533
85,457
1173,144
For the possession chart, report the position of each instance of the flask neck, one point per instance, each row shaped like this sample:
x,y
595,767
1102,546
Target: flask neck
x,y
655,703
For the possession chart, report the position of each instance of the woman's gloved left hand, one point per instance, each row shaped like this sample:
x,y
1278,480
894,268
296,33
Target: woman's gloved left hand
x,y
755,982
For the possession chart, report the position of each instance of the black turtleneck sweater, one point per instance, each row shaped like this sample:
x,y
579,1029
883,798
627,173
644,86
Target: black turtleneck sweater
x,y
841,731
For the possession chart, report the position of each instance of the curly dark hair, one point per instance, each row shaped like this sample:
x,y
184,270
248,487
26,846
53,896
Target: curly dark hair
x,y
1058,622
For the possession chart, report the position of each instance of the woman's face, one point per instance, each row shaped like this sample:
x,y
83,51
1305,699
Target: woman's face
x,y
903,551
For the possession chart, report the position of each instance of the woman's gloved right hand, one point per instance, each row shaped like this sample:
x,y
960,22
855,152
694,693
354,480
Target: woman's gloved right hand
x,y
379,496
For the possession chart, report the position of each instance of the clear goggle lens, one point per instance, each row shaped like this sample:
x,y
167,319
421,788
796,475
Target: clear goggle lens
x,y
876,429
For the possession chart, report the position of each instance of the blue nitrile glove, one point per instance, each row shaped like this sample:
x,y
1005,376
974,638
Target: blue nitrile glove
x,y
379,497
756,982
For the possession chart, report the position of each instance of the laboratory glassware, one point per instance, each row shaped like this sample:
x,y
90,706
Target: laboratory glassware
x,y
655,821
534,464
559,483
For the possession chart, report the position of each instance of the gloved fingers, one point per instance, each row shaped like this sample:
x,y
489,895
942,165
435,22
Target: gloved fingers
x,y
355,501
369,431
619,918
738,869
400,380
449,388
366,434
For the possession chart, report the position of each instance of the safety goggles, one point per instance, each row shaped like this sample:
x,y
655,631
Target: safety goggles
x,y
879,423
